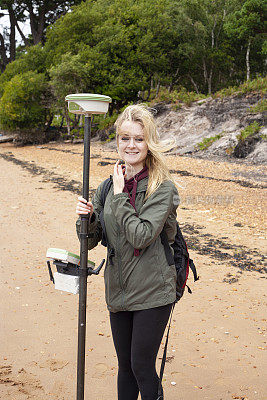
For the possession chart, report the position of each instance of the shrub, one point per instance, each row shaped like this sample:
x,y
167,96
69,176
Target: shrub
x,y
256,85
186,97
260,107
34,59
111,136
108,121
206,142
176,97
250,130
22,104
247,140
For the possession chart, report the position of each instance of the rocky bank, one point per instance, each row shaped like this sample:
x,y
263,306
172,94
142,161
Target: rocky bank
x,y
210,117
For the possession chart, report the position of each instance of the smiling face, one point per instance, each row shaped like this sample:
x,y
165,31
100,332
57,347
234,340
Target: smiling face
x,y
132,147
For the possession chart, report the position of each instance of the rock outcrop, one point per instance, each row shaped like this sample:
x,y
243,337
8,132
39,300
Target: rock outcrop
x,y
208,118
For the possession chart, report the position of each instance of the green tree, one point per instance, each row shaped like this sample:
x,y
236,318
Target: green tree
x,y
69,76
203,47
24,102
248,24
40,14
35,59
126,45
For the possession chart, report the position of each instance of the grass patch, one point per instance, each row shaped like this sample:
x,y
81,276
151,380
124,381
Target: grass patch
x,y
260,107
176,97
206,142
255,85
249,130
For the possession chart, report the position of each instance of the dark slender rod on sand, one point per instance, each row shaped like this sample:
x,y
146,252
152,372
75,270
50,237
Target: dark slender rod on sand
x,y
83,265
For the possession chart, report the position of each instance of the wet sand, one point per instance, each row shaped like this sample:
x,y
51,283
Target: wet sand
x,y
217,344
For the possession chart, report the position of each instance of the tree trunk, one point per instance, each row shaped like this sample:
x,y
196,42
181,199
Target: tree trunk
x,y
194,84
207,77
41,25
205,73
12,34
158,87
173,80
209,81
148,95
37,23
213,34
23,37
62,121
67,119
247,60
49,122
32,21
4,59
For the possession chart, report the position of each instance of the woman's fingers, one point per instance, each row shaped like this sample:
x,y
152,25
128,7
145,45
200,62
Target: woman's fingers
x,y
118,178
83,211
116,167
81,199
84,206
120,170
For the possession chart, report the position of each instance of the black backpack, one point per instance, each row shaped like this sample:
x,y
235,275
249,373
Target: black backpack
x,y
179,257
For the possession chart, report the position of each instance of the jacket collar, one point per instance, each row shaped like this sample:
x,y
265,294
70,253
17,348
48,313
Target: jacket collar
x,y
142,185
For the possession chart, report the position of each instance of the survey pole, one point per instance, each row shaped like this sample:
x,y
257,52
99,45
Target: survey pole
x,y
83,264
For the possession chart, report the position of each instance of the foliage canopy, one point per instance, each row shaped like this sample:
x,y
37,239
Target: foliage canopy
x,y
128,49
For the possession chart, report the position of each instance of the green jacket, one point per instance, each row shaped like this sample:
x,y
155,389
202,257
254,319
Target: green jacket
x,y
144,281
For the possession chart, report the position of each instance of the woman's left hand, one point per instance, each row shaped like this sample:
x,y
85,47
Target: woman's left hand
x,y
118,179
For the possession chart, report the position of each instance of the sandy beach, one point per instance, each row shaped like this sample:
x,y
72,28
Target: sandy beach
x,y
217,347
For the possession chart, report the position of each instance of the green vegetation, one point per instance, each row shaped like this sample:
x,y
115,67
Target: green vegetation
x,y
111,136
176,51
22,105
260,107
256,85
206,142
249,130
108,121
176,97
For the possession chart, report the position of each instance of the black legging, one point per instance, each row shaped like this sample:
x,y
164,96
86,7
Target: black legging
x,y
137,336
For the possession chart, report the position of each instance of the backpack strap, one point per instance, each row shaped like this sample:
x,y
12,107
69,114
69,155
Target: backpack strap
x,y
193,269
163,362
103,196
167,247
105,189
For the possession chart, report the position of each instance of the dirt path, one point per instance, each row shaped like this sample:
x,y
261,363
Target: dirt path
x,y
217,339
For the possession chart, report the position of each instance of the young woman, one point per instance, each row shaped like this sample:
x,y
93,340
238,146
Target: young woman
x,y
139,283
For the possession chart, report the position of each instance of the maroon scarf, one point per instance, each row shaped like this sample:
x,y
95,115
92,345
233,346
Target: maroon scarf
x,y
130,187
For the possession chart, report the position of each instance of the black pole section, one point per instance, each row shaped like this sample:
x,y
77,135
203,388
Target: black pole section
x,y
83,265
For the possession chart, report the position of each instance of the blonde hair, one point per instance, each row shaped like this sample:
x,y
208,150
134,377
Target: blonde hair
x,y
155,162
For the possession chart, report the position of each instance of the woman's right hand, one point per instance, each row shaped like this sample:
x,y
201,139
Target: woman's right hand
x,y
84,207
